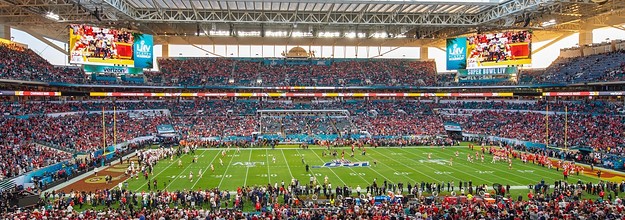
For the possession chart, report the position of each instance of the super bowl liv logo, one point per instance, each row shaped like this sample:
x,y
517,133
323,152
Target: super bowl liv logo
x,y
143,50
456,53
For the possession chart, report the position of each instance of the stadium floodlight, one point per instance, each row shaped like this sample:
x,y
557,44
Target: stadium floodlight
x,y
379,35
301,34
248,33
218,33
52,16
329,34
276,33
355,35
549,23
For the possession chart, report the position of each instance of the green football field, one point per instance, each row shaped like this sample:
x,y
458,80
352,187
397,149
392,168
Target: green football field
x,y
411,164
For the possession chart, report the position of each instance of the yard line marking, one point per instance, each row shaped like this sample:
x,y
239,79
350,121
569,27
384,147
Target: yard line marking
x,y
227,167
437,180
370,167
268,173
204,171
451,167
330,169
313,172
248,168
504,170
181,173
287,164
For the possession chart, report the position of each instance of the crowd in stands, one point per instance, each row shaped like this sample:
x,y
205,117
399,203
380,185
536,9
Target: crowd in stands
x,y
24,64
594,124
593,68
601,132
17,159
211,118
219,71
291,200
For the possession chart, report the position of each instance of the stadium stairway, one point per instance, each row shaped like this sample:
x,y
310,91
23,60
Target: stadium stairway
x,y
7,184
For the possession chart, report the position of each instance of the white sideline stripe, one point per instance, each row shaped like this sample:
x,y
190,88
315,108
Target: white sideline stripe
x,y
204,171
437,180
247,171
287,164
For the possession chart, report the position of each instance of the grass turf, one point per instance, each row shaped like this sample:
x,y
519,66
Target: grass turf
x,y
256,167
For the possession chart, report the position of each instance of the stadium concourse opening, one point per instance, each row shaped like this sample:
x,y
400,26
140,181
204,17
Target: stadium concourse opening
x,y
320,109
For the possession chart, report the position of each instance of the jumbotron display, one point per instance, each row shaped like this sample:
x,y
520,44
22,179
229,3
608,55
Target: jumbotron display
x,y
105,46
493,49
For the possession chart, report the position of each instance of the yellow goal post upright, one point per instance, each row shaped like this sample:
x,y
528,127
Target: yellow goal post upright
x,y
295,126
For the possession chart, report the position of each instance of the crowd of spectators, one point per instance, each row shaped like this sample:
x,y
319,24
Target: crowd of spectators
x,y
210,118
601,132
292,201
593,68
24,64
221,71
17,159
596,124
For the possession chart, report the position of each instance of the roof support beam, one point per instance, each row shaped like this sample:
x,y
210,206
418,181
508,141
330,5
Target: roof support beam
x,y
556,40
46,41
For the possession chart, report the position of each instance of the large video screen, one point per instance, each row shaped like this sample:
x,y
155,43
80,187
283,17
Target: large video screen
x,y
492,49
105,46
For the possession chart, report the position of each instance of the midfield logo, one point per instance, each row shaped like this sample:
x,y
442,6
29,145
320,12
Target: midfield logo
x,y
249,164
339,163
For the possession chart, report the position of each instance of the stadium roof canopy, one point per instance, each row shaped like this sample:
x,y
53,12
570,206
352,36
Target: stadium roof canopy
x,y
309,22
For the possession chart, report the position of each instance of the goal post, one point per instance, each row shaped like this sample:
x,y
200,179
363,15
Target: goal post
x,y
304,125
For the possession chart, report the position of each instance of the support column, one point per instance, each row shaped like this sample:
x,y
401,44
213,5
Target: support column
x,y
585,36
5,31
424,54
165,51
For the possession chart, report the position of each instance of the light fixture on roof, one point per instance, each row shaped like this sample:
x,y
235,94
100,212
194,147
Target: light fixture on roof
x,y
329,34
549,23
301,34
218,33
276,33
248,33
52,16
379,35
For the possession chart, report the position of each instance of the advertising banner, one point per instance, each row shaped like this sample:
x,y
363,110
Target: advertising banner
x,y
143,47
457,53
488,71
165,128
452,126
112,69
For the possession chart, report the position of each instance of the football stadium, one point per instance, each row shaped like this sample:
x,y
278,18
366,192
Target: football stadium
x,y
312,109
